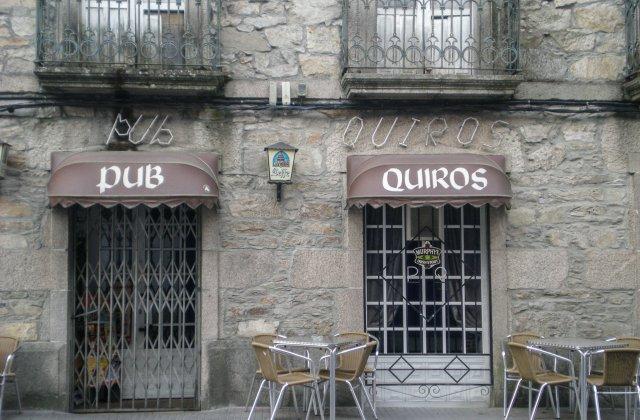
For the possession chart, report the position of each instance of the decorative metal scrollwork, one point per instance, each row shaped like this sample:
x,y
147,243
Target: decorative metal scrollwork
x,y
163,33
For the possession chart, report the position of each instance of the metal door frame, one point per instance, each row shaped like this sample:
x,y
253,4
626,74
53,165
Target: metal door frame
x,y
71,275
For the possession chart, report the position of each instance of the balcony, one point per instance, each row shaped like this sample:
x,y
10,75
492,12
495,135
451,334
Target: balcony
x,y
135,46
632,24
431,49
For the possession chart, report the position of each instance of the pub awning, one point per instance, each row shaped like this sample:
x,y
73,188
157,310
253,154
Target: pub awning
x,y
427,180
134,178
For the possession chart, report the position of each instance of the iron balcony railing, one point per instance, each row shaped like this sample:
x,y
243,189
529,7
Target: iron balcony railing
x,y
432,36
139,33
633,39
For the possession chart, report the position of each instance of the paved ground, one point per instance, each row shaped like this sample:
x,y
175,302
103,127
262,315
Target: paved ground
x,y
343,414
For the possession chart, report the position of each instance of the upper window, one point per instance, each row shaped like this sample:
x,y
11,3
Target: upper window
x,y
435,38
165,33
632,86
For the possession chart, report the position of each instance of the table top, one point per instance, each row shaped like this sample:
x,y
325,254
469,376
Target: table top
x,y
327,341
580,344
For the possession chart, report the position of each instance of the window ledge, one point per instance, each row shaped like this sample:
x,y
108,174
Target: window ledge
x,y
136,81
429,86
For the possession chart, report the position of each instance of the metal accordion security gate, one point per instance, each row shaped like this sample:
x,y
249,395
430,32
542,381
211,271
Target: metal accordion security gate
x,y
432,320
136,297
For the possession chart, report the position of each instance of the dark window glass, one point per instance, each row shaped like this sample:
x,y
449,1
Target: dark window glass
x,y
394,264
373,216
453,263
374,264
394,239
434,290
454,290
395,342
433,315
472,239
472,292
374,317
394,316
454,313
414,291
434,341
451,215
394,290
414,316
471,215
394,216
374,239
454,342
473,316
452,238
374,289
474,342
414,342
472,265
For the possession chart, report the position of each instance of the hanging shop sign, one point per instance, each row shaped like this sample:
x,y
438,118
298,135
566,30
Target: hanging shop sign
x,y
433,130
427,255
122,128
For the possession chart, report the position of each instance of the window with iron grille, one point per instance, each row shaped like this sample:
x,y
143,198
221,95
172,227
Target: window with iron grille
x,y
141,33
415,310
432,36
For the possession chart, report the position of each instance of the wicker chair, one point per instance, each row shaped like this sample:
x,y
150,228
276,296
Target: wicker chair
x,y
527,360
350,363
620,371
269,360
510,371
356,357
267,339
8,347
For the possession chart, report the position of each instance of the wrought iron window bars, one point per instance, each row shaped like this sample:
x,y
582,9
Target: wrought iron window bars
x,y
139,33
432,36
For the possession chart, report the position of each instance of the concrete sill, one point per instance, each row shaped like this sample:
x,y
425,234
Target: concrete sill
x,y
423,87
131,80
631,88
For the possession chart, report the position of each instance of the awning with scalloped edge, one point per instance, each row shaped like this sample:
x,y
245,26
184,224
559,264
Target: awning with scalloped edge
x,y
134,178
427,180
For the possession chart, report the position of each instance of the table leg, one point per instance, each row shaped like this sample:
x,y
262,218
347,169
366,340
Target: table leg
x,y
584,391
332,384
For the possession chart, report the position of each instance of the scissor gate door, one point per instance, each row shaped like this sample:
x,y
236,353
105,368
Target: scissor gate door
x,y
136,306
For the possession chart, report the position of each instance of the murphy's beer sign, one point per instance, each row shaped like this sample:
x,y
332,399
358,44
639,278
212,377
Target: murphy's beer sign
x,y
427,255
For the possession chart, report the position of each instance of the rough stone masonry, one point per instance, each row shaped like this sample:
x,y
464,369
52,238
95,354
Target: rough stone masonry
x,y
564,257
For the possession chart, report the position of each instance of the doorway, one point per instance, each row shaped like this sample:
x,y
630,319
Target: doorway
x,y
135,330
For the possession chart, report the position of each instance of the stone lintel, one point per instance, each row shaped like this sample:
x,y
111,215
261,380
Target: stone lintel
x,y
429,86
135,81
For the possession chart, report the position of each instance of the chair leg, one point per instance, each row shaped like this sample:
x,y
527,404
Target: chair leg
x,y
295,399
320,403
513,398
555,406
278,401
530,395
255,402
355,399
504,392
15,382
597,403
2,387
253,381
374,391
537,403
367,397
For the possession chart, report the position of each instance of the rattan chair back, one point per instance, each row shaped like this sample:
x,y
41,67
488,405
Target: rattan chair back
x,y
523,338
620,367
528,364
8,345
631,342
266,361
361,355
351,361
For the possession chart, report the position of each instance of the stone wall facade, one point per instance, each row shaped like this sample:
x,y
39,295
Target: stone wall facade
x,y
564,257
